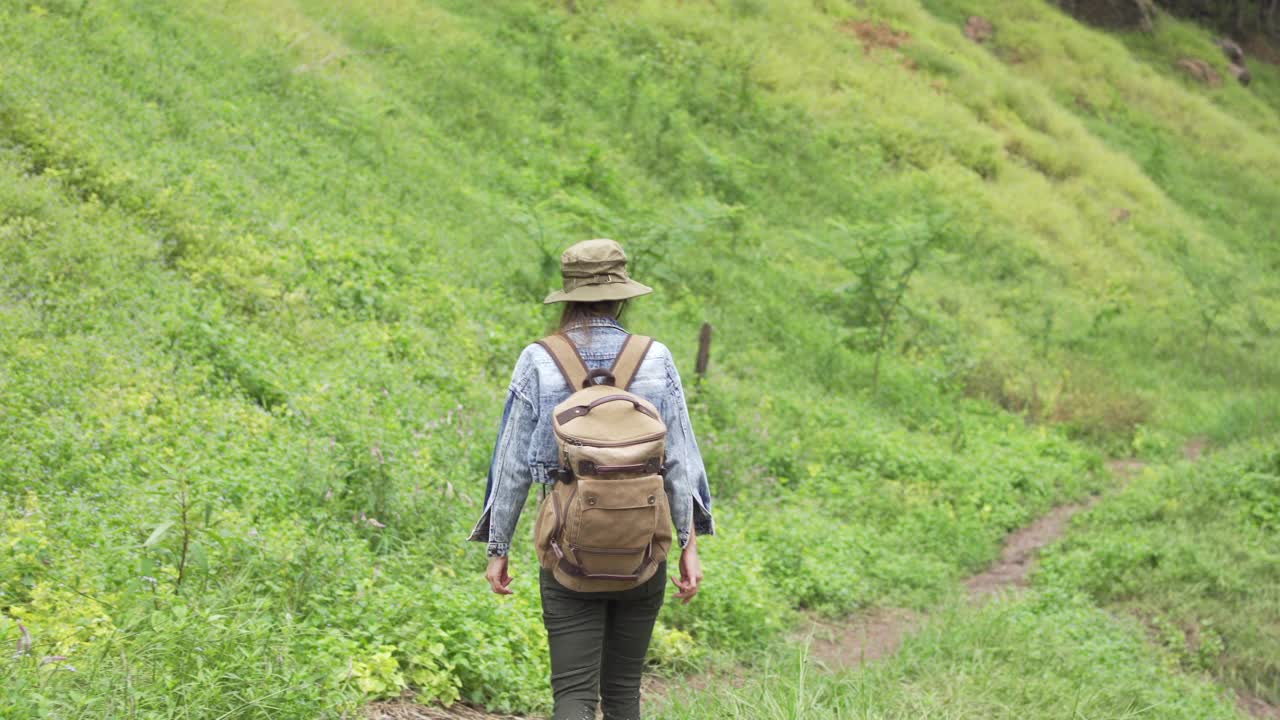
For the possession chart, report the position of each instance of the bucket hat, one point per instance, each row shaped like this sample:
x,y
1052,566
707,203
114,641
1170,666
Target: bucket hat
x,y
595,270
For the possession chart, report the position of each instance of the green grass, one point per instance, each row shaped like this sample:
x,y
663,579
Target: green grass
x,y
1193,552
1042,656
264,268
1165,586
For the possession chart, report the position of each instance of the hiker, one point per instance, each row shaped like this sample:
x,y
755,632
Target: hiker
x,y
605,521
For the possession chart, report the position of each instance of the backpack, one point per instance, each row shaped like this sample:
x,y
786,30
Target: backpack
x,y
605,524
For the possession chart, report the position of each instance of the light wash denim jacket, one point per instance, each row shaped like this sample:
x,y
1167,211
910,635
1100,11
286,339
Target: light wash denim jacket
x,y
526,447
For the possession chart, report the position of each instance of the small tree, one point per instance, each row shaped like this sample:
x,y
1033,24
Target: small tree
x,y
884,260
1214,295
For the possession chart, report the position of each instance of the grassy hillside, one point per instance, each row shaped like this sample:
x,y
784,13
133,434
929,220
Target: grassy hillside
x,y
265,266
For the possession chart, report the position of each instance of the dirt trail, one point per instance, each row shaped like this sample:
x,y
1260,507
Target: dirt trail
x,y
407,709
1020,549
878,634
1257,707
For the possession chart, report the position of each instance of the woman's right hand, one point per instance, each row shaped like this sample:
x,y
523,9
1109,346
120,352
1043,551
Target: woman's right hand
x,y
690,572
497,575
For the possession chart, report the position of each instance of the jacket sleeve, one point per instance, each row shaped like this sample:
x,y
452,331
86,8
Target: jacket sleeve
x,y
507,488
688,491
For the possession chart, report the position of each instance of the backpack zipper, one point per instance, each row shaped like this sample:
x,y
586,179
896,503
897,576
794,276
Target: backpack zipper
x,y
601,443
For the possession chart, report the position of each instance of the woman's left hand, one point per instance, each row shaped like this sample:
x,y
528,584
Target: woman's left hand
x,y
690,572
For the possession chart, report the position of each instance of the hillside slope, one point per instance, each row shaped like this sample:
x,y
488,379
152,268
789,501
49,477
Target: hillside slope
x,y
265,266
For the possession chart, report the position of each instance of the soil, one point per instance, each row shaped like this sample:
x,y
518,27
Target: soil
x,y
1020,549
1195,447
1125,468
861,639
407,709
879,633
875,35
1256,706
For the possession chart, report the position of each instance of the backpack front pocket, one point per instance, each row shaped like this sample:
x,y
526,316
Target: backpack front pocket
x,y
611,526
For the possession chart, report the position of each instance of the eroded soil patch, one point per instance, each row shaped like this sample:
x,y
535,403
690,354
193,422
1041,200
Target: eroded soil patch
x,y
410,710
1256,706
874,35
861,639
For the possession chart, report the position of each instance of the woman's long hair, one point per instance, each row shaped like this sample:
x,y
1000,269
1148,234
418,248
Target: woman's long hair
x,y
581,313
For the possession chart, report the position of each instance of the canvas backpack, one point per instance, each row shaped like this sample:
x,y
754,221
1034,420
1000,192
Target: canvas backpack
x,y
605,524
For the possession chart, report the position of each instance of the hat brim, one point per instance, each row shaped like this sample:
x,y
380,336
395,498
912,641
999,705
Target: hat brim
x,y
596,293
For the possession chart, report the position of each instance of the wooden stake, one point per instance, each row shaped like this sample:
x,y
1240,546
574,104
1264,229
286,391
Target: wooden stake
x,y
704,349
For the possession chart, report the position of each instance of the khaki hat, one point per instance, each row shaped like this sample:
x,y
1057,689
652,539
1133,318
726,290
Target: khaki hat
x,y
595,270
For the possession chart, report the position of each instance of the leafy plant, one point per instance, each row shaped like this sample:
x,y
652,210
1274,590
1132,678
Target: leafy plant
x,y
884,261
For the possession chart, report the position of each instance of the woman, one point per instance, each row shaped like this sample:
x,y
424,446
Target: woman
x,y
598,639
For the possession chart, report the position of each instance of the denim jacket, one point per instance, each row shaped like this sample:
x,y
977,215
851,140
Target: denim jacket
x,y
526,448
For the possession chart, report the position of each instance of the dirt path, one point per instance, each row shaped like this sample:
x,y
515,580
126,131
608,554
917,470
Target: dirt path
x,y
1257,707
879,633
407,709
1019,553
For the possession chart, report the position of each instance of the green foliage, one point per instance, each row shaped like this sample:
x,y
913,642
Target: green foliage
x,y
1039,656
672,648
1193,551
264,270
884,261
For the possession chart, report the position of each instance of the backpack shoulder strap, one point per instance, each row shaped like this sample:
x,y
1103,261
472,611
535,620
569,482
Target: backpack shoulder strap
x,y
627,363
562,350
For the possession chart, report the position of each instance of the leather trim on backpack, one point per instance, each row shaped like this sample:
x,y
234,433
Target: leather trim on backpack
x,y
570,568
652,466
565,354
581,410
627,363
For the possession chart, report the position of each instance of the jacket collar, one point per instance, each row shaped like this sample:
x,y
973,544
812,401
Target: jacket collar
x,y
597,322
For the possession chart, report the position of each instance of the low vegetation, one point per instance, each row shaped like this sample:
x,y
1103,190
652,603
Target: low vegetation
x,y
1167,585
1046,655
265,266
1194,553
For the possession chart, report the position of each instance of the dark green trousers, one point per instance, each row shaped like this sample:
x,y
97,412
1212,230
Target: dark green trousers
x,y
598,642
